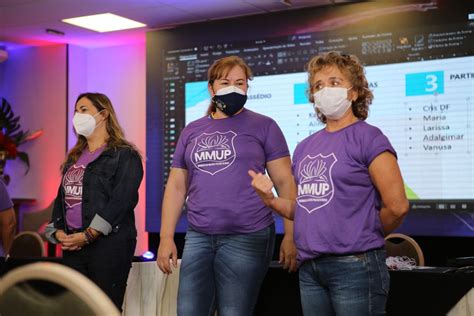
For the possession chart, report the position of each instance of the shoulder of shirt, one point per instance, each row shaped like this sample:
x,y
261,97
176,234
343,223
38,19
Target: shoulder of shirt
x,y
367,128
196,124
305,141
311,137
257,115
203,120
263,120
3,190
123,151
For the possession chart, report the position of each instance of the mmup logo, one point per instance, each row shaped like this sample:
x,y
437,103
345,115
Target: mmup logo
x,y
72,183
214,152
315,188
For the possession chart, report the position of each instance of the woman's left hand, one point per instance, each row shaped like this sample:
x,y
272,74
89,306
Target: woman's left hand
x,y
288,254
74,242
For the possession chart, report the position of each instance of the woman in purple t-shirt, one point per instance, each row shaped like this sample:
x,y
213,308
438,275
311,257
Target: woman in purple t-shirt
x,y
350,194
7,220
93,215
229,243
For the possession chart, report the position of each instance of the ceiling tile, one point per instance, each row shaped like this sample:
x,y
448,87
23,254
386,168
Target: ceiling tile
x,y
56,10
23,20
275,5
161,16
212,9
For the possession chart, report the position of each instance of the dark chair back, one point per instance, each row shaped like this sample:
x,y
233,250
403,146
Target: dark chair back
x,y
399,245
45,289
27,245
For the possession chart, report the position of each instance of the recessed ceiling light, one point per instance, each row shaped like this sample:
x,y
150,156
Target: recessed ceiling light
x,y
106,22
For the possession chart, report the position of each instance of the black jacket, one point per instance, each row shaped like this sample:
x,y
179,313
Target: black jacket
x,y
110,190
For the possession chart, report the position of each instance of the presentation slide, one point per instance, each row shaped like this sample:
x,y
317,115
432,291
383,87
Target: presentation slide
x,y
425,109
419,61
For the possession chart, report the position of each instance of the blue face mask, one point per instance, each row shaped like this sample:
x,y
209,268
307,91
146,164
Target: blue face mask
x,y
229,100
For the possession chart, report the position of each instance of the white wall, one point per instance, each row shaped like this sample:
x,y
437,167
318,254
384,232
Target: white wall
x,y
77,84
120,73
42,84
34,83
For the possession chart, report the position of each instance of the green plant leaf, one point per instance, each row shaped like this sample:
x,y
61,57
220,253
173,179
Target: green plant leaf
x,y
20,137
23,156
8,122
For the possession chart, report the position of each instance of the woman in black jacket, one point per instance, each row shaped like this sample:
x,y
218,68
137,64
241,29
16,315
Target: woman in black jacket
x,y
93,216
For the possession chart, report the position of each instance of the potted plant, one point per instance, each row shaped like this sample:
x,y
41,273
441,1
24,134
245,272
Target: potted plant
x,y
11,137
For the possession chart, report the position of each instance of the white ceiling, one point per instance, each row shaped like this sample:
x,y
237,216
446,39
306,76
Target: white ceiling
x,y
24,22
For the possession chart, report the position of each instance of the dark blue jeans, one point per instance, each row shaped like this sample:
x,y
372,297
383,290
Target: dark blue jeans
x,y
223,272
345,285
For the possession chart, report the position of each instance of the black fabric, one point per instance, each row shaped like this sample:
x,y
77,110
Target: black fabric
x,y
230,103
110,189
107,262
13,263
426,291
24,299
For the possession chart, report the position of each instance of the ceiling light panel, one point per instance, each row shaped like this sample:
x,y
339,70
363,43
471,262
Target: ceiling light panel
x,y
107,22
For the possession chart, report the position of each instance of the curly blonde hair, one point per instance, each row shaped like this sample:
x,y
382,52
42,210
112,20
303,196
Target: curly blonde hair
x,y
351,67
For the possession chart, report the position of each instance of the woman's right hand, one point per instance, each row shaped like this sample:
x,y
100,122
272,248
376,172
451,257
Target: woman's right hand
x,y
263,186
167,252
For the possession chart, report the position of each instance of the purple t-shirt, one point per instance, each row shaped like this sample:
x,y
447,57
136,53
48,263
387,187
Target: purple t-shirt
x,y
5,201
217,154
72,184
337,206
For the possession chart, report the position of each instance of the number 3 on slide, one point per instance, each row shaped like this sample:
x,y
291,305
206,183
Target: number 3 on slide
x,y
424,83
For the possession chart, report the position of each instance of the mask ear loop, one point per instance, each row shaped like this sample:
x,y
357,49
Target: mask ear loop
x,y
97,125
217,103
352,101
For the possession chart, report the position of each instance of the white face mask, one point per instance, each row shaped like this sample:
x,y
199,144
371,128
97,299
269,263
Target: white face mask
x,y
230,89
332,102
84,124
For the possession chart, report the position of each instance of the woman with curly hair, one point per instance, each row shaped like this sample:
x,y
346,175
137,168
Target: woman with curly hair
x,y
350,194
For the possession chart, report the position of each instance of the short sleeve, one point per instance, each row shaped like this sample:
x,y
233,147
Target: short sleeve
x,y
377,143
179,160
5,201
293,166
293,159
275,144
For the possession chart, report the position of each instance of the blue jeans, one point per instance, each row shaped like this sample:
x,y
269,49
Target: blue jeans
x,y
223,272
345,285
